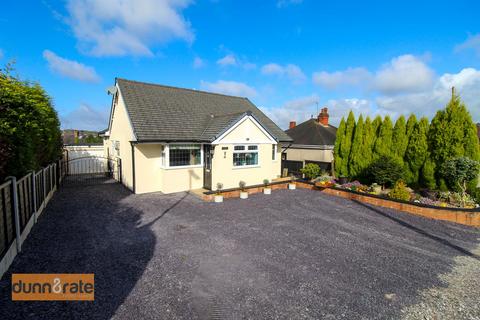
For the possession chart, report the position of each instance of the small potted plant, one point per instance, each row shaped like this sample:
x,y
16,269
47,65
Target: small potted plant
x,y
291,184
218,194
243,192
266,188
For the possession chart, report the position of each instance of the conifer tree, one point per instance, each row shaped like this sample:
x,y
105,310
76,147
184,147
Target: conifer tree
x,y
383,143
427,177
452,134
411,122
345,146
399,139
338,161
356,160
417,152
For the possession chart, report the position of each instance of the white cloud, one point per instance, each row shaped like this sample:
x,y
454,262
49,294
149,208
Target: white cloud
x,y
198,63
293,72
298,110
228,60
286,3
404,74
349,77
229,87
86,118
69,68
127,27
472,43
466,83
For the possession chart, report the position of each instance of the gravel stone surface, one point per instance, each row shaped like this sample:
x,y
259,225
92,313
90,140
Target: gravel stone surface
x,y
296,254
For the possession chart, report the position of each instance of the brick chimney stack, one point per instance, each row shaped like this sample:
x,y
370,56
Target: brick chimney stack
x,y
323,117
292,124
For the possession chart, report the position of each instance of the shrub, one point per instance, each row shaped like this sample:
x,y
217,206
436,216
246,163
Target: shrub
x,y
242,185
400,191
266,182
219,187
385,171
458,172
311,170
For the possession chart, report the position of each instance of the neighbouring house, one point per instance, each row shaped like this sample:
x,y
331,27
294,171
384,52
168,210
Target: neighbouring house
x,y
172,139
313,142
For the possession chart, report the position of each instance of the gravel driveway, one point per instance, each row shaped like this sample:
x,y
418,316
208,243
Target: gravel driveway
x,y
294,254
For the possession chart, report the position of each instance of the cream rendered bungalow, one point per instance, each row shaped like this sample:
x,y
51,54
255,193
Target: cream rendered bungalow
x,y
172,139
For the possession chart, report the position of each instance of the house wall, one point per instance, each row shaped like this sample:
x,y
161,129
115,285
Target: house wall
x,y
223,171
84,151
121,130
150,176
297,154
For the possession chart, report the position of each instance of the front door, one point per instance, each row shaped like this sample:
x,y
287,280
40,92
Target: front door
x,y
207,166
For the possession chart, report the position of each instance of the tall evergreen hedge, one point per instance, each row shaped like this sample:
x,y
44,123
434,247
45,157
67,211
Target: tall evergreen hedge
x,y
30,134
420,147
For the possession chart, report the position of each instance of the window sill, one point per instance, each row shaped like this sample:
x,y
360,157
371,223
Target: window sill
x,y
246,167
184,167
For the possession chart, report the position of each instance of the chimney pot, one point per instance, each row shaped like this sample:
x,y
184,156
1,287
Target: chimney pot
x,y
292,124
323,117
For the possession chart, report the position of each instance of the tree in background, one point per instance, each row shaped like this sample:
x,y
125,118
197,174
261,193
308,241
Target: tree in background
x,y
417,152
452,134
383,143
411,122
344,140
29,126
357,159
399,139
336,150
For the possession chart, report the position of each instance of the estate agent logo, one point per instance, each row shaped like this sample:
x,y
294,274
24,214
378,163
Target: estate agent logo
x,y
61,286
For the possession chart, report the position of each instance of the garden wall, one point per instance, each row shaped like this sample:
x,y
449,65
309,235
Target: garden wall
x,y
469,217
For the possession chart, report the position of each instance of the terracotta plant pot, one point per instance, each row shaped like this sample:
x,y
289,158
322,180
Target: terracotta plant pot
x,y
267,191
243,195
218,198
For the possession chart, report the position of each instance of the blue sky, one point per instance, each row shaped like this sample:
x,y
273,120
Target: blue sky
x,y
373,57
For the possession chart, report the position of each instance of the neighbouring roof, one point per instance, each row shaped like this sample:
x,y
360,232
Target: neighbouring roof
x,y
311,133
163,113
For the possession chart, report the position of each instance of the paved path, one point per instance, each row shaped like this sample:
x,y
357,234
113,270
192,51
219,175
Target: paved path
x,y
294,254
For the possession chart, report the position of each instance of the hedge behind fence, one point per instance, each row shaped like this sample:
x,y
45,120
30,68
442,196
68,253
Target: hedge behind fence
x,y
30,134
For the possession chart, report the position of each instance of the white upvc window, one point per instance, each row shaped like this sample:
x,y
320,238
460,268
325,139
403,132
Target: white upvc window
x,y
182,155
245,155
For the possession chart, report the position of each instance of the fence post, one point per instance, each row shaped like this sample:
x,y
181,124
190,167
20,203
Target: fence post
x,y
55,174
34,194
44,186
15,213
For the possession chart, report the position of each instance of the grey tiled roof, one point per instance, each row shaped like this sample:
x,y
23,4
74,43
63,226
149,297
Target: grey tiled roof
x,y
162,113
311,132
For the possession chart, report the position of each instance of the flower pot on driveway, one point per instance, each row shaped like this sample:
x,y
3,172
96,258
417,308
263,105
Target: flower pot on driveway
x,y
292,186
243,195
267,191
218,198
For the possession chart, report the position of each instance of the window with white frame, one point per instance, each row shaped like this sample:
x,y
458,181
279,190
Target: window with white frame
x,y
274,152
184,155
245,155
